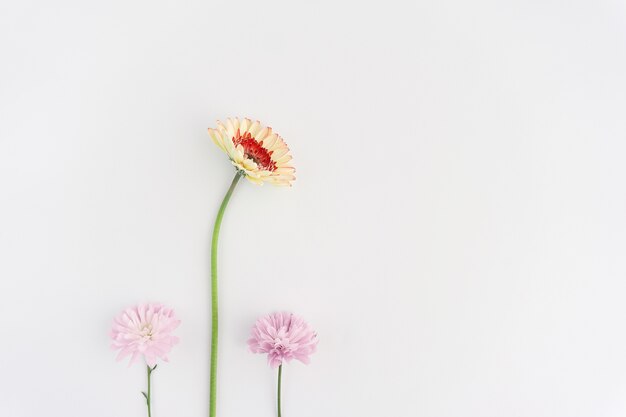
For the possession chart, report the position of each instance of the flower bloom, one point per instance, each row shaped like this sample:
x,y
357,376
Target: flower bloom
x,y
145,330
283,336
255,150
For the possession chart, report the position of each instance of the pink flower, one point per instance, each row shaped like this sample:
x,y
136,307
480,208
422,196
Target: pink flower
x,y
283,336
144,330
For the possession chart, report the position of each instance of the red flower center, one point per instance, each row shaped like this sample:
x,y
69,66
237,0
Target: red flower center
x,y
254,150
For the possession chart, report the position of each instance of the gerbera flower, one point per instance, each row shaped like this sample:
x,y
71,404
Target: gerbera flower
x,y
144,330
260,155
283,336
256,151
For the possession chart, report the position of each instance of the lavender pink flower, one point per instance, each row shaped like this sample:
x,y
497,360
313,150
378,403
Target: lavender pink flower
x,y
145,329
283,336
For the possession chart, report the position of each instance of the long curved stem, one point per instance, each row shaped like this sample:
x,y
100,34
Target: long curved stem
x,y
214,317
280,377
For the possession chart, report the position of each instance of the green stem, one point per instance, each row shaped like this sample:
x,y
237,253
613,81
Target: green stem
x,y
147,395
280,378
214,323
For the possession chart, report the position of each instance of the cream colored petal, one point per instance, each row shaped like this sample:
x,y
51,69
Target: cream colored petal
x,y
278,153
240,155
222,127
243,126
237,165
254,128
251,166
283,159
226,130
279,182
229,146
217,138
269,142
262,134
255,181
285,170
280,143
230,127
284,176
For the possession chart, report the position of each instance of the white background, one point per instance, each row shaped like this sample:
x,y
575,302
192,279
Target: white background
x,y
456,233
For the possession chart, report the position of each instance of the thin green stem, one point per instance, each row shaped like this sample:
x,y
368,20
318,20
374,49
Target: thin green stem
x,y
147,395
214,305
280,378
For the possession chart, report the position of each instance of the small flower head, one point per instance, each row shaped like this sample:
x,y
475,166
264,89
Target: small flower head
x,y
145,330
283,336
255,150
